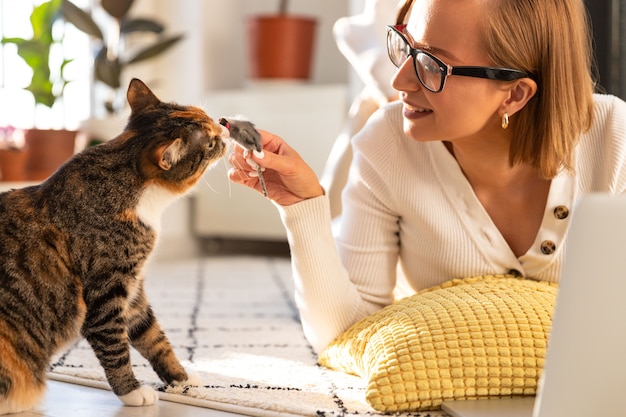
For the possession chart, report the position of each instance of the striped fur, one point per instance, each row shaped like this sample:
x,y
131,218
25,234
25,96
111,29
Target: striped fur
x,y
72,250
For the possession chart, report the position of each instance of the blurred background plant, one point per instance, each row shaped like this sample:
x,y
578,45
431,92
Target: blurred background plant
x,y
11,138
112,55
12,154
44,150
283,6
281,45
47,82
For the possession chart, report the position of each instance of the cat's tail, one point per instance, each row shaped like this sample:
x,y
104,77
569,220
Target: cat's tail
x,y
20,389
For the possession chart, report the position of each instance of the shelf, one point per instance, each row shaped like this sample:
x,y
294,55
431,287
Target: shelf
x,y
7,186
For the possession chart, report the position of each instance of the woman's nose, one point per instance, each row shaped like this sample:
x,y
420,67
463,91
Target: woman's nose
x,y
405,78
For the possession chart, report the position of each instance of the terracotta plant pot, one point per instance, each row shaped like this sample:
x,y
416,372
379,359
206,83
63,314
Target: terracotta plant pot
x,y
281,47
12,165
47,151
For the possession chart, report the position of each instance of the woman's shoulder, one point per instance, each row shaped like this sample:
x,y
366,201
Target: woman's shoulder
x,y
387,121
609,100
383,131
601,155
609,121
382,141
608,109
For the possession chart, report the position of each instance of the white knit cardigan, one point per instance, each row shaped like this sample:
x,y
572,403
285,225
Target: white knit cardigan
x,y
409,210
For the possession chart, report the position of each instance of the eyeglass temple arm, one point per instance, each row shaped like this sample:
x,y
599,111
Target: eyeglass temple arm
x,y
492,73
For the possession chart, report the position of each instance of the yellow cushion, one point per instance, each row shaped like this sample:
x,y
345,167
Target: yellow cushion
x,y
469,338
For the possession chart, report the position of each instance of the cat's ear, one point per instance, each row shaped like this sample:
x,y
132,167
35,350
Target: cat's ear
x,y
140,96
167,156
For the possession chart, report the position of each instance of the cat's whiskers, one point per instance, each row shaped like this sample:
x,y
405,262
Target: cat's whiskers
x,y
230,186
208,184
230,144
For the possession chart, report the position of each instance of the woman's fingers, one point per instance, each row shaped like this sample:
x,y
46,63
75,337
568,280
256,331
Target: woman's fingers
x,y
287,177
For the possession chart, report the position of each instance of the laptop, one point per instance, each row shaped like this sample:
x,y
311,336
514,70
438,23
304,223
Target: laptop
x,y
585,369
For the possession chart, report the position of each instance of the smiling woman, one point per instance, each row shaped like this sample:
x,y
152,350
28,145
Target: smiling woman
x,y
466,178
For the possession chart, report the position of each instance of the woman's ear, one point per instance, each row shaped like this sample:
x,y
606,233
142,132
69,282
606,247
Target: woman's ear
x,y
520,92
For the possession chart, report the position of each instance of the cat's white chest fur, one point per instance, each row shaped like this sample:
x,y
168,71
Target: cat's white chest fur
x,y
152,203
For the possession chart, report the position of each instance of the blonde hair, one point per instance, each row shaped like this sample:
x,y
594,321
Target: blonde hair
x,y
551,40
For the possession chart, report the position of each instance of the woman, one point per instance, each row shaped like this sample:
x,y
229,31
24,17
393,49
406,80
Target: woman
x,y
473,171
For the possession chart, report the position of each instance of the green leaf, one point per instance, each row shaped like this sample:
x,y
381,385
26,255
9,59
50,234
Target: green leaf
x,y
36,53
16,41
33,53
156,49
43,17
41,88
141,25
117,8
63,65
81,19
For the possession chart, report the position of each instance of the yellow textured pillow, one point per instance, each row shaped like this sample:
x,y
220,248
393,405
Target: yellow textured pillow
x,y
468,338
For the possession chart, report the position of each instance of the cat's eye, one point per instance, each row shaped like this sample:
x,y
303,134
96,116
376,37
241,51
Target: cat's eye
x,y
212,143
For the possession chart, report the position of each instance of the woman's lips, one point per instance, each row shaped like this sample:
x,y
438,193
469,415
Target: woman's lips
x,y
413,112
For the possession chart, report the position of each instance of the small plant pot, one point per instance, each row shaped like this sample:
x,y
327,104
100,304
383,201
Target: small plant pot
x,y
281,47
47,151
12,165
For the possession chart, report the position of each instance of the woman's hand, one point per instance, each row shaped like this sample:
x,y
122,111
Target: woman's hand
x,y
288,178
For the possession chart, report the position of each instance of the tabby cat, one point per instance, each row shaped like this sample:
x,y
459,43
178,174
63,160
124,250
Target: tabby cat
x,y
72,250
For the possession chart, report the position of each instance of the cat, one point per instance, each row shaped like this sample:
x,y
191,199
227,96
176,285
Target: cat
x,y
72,250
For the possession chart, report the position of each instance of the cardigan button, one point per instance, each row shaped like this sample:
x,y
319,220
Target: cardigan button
x,y
515,273
548,247
561,212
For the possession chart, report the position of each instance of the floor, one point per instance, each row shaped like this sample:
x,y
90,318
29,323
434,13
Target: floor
x,y
68,400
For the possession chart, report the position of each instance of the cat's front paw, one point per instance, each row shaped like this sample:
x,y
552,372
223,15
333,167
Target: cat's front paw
x,y
143,395
192,380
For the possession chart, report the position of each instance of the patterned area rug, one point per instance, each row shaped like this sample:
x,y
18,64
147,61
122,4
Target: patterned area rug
x,y
233,321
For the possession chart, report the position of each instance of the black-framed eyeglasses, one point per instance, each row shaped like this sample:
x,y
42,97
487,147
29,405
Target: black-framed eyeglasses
x,y
432,71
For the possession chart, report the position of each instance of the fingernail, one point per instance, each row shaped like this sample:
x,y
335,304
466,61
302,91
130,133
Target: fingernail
x,y
246,153
258,154
253,174
252,164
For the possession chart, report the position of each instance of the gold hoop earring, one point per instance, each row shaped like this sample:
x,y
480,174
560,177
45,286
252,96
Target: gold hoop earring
x,y
505,120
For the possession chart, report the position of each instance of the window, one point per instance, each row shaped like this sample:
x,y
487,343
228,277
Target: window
x,y
608,18
17,106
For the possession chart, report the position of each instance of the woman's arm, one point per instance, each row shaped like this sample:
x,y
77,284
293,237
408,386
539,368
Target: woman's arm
x,y
329,296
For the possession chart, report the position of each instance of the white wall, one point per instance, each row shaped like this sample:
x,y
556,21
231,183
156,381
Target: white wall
x,y
213,54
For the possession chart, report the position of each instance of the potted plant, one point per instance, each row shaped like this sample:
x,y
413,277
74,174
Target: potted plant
x,y
281,45
46,149
12,154
111,57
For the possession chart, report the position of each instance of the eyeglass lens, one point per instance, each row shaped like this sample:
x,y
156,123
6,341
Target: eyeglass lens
x,y
427,69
